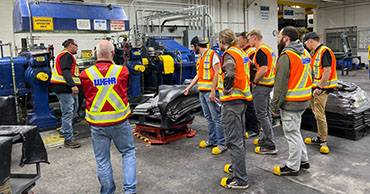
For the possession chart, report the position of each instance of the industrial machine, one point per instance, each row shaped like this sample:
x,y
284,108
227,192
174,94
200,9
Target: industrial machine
x,y
24,76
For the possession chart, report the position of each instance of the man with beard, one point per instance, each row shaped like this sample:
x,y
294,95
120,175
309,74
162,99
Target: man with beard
x,y
65,80
252,122
263,83
292,94
235,93
208,65
325,81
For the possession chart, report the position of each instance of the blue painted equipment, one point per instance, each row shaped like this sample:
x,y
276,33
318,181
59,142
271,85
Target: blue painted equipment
x,y
34,69
136,70
6,82
37,76
65,14
185,67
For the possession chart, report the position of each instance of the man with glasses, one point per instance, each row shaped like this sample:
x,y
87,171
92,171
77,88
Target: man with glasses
x,y
65,79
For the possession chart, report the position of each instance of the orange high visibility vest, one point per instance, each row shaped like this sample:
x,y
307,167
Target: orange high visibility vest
x,y
250,51
205,70
107,95
269,77
318,69
56,72
300,77
241,89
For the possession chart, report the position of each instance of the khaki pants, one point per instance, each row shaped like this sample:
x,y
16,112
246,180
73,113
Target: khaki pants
x,y
318,105
5,188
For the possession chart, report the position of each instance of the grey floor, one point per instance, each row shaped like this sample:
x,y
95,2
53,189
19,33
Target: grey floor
x,y
181,167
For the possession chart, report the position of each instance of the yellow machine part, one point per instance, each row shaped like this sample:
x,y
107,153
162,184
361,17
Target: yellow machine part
x,y
42,76
145,61
168,64
139,68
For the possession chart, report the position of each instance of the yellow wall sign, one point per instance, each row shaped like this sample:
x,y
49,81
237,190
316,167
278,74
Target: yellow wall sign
x,y
43,23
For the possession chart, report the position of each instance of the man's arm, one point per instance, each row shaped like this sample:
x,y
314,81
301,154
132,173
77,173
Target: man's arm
x,y
216,68
281,82
228,69
261,59
192,83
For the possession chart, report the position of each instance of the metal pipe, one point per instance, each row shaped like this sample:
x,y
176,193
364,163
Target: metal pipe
x,y
204,22
220,14
245,26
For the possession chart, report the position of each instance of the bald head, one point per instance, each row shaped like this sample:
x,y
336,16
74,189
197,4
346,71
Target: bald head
x,y
105,50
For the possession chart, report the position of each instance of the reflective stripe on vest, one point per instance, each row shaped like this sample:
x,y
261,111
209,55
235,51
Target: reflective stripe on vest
x,y
59,79
106,93
205,71
238,93
269,78
302,88
317,69
250,51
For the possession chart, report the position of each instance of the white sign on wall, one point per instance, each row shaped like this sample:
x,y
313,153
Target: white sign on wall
x,y
294,13
265,12
100,24
83,24
117,25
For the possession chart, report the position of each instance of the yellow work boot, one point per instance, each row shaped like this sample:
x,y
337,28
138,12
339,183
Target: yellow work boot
x,y
324,149
256,141
228,168
284,171
218,149
246,135
205,144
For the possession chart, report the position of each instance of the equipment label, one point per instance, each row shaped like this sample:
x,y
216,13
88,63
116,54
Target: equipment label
x,y
43,23
83,24
100,24
117,25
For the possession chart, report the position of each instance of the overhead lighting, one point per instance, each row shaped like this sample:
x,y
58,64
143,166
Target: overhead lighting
x,y
296,6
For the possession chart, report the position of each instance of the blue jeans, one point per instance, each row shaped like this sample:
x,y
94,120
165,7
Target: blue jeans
x,y
212,112
121,135
68,106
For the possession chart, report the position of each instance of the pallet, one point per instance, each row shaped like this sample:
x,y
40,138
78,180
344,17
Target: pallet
x,y
156,135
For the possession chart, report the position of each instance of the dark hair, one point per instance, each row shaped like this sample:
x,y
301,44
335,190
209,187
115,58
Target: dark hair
x,y
67,42
243,35
291,32
195,41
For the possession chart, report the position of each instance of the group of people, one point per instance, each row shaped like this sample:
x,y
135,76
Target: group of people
x,y
244,77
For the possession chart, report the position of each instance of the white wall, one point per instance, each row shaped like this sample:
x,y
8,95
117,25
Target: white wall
x,y
6,21
344,16
268,26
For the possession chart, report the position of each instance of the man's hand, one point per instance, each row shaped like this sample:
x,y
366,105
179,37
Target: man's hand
x,y
317,92
186,91
74,90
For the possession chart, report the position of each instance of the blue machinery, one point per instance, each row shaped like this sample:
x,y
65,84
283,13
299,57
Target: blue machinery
x,y
32,68
172,64
29,73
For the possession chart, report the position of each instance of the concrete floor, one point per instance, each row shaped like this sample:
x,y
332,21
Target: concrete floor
x,y
181,167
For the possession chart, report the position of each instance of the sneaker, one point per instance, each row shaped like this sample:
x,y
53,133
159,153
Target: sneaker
x,y
72,144
305,165
265,150
205,144
284,171
232,183
313,140
218,149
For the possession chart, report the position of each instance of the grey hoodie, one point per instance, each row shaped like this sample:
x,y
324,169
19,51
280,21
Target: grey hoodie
x,y
282,79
